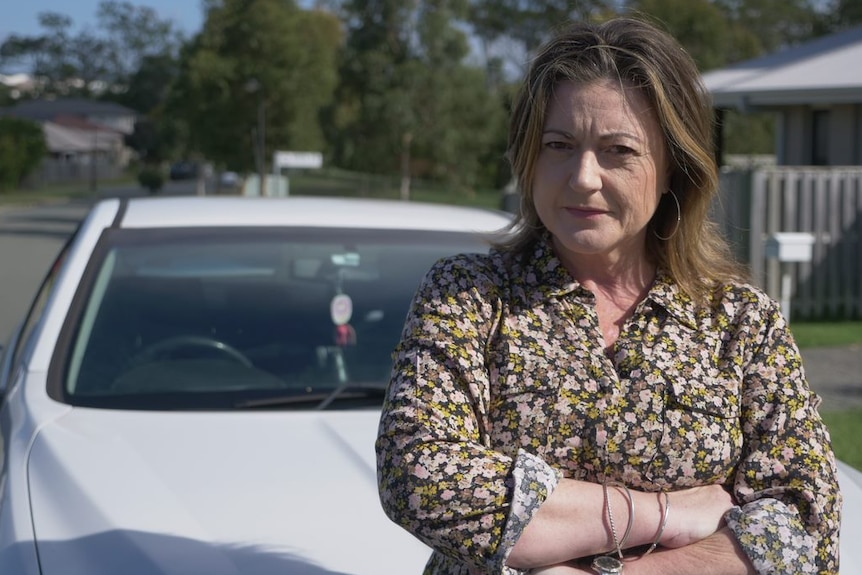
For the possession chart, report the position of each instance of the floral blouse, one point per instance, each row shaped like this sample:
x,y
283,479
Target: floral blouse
x,y
501,386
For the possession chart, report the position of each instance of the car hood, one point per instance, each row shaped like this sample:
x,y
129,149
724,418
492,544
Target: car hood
x,y
216,493
850,480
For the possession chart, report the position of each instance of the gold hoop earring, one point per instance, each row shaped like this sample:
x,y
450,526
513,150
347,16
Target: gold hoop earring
x,y
678,219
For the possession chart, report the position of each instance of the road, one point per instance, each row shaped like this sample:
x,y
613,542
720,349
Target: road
x,y
30,239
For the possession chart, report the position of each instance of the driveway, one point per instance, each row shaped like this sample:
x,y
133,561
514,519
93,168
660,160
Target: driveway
x,y
836,374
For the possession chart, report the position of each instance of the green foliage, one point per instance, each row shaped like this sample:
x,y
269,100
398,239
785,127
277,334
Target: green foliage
x,y
528,24
827,334
774,24
151,178
845,428
408,102
22,147
752,133
137,37
6,96
384,86
80,63
699,25
256,64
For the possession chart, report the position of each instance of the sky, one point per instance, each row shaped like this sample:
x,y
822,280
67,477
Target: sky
x,y
20,16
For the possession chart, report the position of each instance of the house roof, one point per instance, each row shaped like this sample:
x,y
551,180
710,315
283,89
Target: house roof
x,y
78,123
827,70
47,110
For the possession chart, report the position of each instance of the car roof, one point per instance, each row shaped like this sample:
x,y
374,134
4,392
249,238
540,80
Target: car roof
x,y
363,213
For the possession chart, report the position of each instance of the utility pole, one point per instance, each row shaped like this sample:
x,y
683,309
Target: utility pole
x,y
259,134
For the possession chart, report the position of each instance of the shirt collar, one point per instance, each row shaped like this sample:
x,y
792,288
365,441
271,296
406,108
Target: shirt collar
x,y
665,292
545,273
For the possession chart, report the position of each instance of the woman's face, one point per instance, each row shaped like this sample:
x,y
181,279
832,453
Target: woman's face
x,y
600,173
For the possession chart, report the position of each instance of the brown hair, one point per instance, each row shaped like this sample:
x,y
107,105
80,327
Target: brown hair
x,y
643,56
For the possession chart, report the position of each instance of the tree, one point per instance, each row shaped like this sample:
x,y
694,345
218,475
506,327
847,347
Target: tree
x,y
773,24
698,25
65,64
456,117
256,60
137,37
87,63
6,95
840,14
22,147
518,27
407,101
157,135
372,120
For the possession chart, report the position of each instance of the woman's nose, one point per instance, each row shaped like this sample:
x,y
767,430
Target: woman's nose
x,y
585,171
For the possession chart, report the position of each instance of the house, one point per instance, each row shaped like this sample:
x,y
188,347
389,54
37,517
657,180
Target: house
x,y
85,138
816,91
107,115
815,190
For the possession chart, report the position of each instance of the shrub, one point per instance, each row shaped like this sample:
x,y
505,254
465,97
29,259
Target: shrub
x,y
22,147
151,178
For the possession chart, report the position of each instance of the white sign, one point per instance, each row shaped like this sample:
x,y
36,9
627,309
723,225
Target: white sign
x,y
297,160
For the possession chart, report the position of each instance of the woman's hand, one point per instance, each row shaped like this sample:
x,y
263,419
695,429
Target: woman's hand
x,y
564,569
695,514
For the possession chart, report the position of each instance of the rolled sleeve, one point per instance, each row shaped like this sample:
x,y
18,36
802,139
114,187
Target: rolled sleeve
x,y
533,481
773,537
786,484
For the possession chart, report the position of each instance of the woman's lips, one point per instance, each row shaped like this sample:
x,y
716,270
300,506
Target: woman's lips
x,y
585,212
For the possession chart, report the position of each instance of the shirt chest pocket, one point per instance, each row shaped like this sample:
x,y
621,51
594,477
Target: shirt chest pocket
x,y
701,433
524,390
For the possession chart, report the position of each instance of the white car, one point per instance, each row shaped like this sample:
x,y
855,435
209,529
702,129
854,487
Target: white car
x,y
196,389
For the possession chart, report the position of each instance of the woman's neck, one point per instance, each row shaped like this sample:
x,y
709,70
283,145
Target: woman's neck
x,y
619,285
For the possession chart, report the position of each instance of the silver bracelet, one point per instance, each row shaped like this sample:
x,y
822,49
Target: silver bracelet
x,y
657,540
619,544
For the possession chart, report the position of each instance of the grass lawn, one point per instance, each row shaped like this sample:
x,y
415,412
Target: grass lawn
x,y
845,427
823,334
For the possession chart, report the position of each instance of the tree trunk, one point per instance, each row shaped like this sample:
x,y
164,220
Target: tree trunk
x,y
405,165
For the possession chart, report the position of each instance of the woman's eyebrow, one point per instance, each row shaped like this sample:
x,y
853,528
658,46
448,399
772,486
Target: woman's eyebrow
x,y
556,132
608,136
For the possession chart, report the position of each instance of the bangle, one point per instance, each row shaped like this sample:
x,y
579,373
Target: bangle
x,y
657,540
619,544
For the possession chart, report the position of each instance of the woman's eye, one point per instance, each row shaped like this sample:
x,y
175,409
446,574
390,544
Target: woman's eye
x,y
557,145
621,150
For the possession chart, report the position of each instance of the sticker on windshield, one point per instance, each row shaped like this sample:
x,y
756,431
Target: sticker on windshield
x,y
341,309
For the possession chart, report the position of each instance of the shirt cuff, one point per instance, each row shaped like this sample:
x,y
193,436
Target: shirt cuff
x,y
772,535
533,481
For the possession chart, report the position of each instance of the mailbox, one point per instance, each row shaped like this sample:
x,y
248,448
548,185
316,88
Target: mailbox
x,y
790,246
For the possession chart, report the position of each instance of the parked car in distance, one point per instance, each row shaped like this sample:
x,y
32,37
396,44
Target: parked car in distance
x,y
183,171
196,389
197,386
229,179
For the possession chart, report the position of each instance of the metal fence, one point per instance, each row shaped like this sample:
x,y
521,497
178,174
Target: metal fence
x,y
824,202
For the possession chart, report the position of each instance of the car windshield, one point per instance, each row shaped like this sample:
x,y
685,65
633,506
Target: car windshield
x,y
243,319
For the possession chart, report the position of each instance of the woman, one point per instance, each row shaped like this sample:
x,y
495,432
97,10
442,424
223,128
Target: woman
x,y
603,391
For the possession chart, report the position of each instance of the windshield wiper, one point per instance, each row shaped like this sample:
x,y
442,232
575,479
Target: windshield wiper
x,y
323,399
